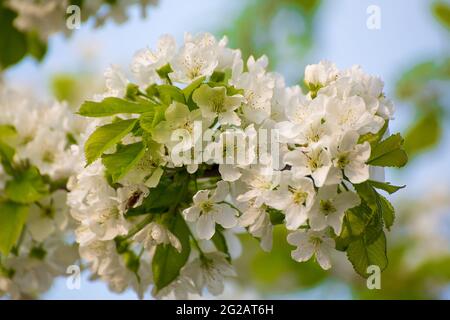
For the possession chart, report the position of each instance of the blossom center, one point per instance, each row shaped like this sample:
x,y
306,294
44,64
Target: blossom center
x,y
299,197
207,206
327,207
218,104
343,161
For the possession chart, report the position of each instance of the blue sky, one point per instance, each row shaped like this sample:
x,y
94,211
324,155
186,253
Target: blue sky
x,y
408,33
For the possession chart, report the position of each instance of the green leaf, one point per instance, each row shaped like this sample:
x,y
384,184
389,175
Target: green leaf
x,y
111,106
12,219
66,87
388,212
363,255
386,186
217,76
106,137
36,47
132,91
160,115
6,152
123,160
13,44
276,216
353,226
146,121
442,12
220,242
190,88
374,218
368,194
168,93
160,198
28,186
6,132
424,134
374,138
164,71
388,153
167,261
6,157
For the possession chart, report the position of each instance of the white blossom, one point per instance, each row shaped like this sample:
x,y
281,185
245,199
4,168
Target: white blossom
x,y
330,206
321,74
311,243
215,102
351,157
209,209
295,197
209,271
155,234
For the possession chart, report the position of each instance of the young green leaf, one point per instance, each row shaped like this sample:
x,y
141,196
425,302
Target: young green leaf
x,y
363,255
424,134
164,71
217,76
168,93
386,186
353,226
159,200
374,138
389,153
36,46
111,106
348,234
146,121
123,160
106,137
276,216
220,242
190,88
6,157
167,261
12,219
388,212
160,115
28,186
6,132
13,44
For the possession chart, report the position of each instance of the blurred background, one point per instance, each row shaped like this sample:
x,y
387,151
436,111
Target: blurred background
x,y
409,50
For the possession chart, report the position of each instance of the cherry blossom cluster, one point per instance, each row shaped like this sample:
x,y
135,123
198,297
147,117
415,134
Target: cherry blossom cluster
x,y
37,159
149,218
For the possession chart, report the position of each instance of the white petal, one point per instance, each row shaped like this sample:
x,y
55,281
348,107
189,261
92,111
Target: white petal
x,y
322,256
295,217
296,158
225,216
229,172
335,221
346,200
348,141
297,237
206,227
320,175
201,196
357,172
191,214
221,192
317,220
229,117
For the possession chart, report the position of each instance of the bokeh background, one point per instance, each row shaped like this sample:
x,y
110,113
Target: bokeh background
x,y
410,51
